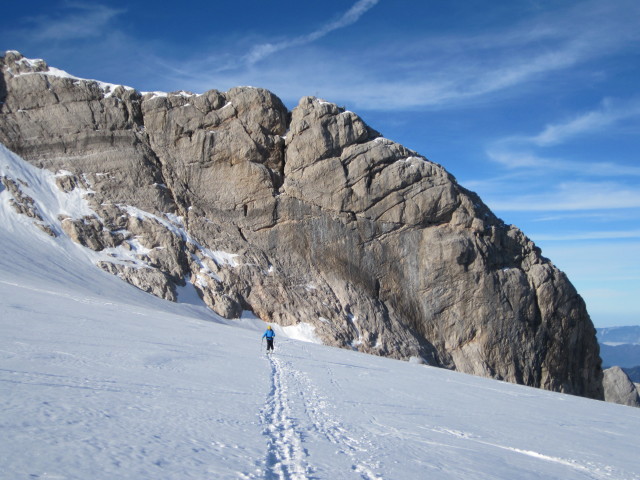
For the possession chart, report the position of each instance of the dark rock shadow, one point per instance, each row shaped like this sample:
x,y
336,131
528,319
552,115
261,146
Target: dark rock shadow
x,y
3,86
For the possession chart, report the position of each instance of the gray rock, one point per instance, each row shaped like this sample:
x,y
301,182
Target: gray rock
x,y
331,224
64,124
150,280
618,388
25,205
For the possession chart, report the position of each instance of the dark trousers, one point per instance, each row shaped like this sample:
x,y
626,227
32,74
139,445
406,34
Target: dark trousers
x,y
269,344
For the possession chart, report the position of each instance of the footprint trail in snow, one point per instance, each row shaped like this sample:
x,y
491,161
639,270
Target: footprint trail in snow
x,y
285,455
293,415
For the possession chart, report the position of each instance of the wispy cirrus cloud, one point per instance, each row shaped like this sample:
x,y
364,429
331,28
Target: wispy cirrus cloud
x,y
608,113
263,50
440,72
533,153
570,196
426,69
589,235
520,159
411,70
536,181
75,21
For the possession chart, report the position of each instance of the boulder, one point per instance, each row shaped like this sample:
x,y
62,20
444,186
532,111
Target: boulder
x,y
618,388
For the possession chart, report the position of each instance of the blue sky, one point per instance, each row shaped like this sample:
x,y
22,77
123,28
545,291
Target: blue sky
x,y
535,105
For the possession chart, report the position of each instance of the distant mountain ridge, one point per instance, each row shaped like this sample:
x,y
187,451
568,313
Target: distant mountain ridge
x,y
303,216
619,335
624,355
620,346
634,374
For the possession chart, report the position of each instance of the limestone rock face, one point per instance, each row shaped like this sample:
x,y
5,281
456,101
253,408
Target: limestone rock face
x,y
618,388
304,216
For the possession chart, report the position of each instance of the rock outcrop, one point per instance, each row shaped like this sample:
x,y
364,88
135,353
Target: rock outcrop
x,y
304,216
618,388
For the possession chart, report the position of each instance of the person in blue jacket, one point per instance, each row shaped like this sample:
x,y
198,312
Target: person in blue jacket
x,y
269,335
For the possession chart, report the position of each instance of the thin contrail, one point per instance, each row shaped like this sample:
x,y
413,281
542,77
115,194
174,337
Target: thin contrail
x,y
263,50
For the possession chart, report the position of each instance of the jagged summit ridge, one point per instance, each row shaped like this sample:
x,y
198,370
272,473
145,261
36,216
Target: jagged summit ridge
x,y
328,223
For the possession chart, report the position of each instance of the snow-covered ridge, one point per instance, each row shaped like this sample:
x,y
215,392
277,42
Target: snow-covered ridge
x,y
107,88
344,111
55,206
181,93
40,185
39,67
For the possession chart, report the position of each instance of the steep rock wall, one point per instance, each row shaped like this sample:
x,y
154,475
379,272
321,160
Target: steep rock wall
x,y
308,216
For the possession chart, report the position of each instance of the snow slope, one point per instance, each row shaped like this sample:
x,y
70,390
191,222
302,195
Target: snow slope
x,y
99,380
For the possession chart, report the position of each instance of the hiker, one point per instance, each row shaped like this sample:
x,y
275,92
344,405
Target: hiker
x,y
269,335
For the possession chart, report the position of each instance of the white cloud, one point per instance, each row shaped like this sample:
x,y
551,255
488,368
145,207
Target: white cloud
x,y
608,113
467,68
514,159
421,70
587,216
416,70
591,235
261,51
464,68
78,21
569,196
542,174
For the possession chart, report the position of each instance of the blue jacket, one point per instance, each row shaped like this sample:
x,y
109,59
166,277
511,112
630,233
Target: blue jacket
x,y
269,334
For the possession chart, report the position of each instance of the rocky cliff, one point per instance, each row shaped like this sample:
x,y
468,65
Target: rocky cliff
x,y
304,216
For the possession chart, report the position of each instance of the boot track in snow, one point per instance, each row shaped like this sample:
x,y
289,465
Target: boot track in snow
x,y
287,457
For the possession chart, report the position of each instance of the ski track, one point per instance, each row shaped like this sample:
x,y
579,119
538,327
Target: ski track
x,y
286,457
328,425
591,469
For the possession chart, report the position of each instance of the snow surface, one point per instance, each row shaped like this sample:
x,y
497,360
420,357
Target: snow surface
x,y
180,93
99,380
